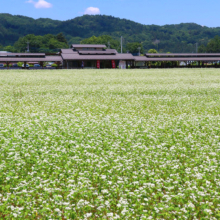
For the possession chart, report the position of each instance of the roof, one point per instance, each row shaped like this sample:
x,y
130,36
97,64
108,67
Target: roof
x,y
31,59
67,51
88,46
118,56
22,54
109,51
147,59
182,54
140,58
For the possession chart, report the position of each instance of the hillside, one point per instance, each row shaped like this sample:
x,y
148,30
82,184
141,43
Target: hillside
x,y
173,38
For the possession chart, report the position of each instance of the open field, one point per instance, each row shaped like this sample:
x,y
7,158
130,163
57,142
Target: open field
x,y
110,144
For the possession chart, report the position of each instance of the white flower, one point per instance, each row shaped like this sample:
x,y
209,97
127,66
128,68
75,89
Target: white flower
x,y
110,214
191,205
87,215
104,191
208,211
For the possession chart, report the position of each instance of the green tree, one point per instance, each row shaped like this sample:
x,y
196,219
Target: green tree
x,y
55,44
134,47
46,43
152,51
104,39
9,49
202,49
61,38
214,45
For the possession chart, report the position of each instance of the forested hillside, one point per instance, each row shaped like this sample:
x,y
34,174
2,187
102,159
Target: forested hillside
x,y
168,38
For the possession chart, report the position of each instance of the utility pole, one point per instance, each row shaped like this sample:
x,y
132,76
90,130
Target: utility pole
x,y
139,48
196,47
121,43
108,45
28,49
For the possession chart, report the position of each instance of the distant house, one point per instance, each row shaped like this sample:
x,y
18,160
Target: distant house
x,y
97,56
93,56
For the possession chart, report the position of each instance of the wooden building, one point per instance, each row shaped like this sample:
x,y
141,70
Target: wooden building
x,y
169,60
26,58
98,56
93,56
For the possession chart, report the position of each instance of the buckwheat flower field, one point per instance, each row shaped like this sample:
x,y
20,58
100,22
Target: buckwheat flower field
x,y
110,144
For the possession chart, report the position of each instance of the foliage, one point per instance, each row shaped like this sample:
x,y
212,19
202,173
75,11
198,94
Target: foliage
x,y
104,39
20,64
134,48
61,38
202,49
9,49
46,43
174,38
152,51
110,144
213,46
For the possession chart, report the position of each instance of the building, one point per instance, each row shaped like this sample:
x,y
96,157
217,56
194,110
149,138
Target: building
x,y
163,60
93,56
40,58
98,56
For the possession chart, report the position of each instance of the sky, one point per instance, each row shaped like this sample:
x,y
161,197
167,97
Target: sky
x,y
158,12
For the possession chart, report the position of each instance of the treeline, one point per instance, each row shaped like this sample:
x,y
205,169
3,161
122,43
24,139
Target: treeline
x,y
53,43
173,38
36,44
213,46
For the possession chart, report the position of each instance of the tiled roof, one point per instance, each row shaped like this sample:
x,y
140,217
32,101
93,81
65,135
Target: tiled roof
x,y
93,52
88,46
22,54
67,51
183,54
118,56
31,59
147,59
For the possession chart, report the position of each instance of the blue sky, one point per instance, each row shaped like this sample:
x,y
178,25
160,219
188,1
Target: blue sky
x,y
157,12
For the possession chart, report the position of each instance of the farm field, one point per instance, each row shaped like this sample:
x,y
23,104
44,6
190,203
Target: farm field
x,y
110,144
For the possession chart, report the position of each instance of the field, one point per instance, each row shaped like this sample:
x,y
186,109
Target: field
x,y
110,144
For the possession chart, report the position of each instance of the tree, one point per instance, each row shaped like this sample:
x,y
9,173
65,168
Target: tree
x,y
135,47
9,49
61,38
214,45
179,38
152,51
104,39
46,43
202,49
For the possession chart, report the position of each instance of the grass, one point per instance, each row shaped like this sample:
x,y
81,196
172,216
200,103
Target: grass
x,y
110,144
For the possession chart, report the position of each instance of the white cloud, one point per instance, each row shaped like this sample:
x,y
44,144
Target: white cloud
x,y
92,11
40,4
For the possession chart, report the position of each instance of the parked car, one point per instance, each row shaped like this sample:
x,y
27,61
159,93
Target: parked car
x,y
27,66
1,65
37,65
48,66
14,65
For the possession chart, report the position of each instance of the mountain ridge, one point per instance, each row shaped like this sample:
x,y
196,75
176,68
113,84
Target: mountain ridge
x,y
173,37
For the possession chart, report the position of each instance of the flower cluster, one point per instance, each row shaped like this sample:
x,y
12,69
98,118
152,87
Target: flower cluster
x,y
111,144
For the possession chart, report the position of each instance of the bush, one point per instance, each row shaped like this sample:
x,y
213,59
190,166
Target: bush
x,y
20,64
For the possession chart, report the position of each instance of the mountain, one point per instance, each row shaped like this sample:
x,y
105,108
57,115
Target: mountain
x,y
168,38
